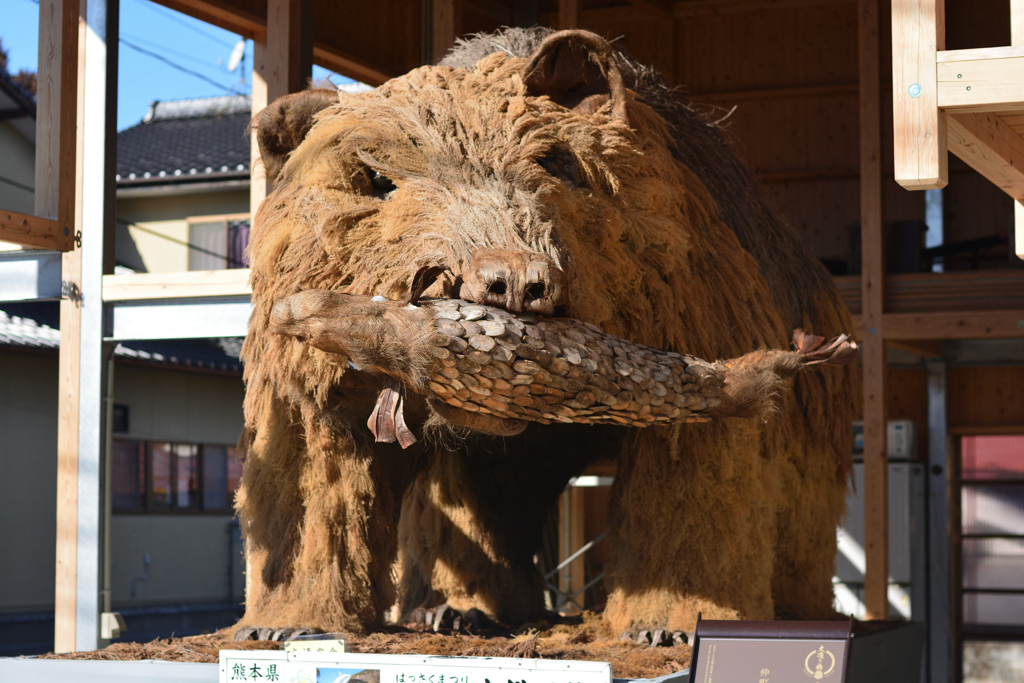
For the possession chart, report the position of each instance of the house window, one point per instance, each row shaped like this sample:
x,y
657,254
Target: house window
x,y
992,534
218,242
173,477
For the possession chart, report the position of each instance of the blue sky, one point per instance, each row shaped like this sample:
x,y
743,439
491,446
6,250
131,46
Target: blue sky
x,y
189,44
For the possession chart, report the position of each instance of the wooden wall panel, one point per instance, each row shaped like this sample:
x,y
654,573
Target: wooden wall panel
x,y
821,211
985,396
976,208
646,40
977,23
385,33
793,134
771,48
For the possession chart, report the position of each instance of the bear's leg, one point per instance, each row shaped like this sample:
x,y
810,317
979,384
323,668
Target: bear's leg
x,y
319,514
452,550
692,527
473,520
814,478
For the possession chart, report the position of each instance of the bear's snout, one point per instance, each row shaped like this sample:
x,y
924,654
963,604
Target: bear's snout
x,y
514,280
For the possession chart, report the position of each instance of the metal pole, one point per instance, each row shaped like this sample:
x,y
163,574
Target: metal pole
x,y
940,648
98,155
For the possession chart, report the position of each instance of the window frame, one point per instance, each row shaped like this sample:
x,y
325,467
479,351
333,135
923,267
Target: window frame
x,y
226,219
149,505
965,631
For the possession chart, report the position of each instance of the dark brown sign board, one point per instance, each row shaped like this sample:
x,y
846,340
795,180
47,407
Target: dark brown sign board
x,y
770,651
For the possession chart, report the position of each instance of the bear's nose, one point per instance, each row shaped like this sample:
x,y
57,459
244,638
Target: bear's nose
x,y
514,280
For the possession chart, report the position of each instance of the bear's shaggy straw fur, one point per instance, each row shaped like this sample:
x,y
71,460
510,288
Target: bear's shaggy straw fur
x,y
666,241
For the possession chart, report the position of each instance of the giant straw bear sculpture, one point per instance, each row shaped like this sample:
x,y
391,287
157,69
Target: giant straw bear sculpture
x,y
556,188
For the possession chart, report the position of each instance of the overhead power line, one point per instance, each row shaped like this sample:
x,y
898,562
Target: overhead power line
x,y
201,250
179,67
163,49
15,183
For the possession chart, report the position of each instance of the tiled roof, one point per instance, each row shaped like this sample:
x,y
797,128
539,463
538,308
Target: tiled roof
x,y
25,326
186,141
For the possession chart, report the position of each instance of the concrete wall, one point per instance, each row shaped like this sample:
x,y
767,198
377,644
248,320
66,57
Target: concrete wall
x,y
167,215
189,553
190,560
174,404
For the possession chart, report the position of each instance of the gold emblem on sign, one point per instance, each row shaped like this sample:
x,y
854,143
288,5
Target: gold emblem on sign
x,y
818,657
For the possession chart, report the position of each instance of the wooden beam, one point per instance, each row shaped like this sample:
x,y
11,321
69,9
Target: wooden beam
x,y
568,14
186,285
282,64
683,9
983,79
223,15
919,129
348,65
30,231
926,348
51,226
289,46
446,22
991,148
1018,232
876,513
68,166
48,111
1008,324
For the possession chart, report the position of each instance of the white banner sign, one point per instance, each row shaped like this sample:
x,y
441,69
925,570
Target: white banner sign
x,y
276,666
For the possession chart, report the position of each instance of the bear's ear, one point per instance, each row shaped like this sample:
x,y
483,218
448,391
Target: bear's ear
x,y
283,125
578,70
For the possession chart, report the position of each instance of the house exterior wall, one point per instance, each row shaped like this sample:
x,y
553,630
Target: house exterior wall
x,y
190,553
168,215
18,163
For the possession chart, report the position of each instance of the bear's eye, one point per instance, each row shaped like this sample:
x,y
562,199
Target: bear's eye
x,y
560,163
382,185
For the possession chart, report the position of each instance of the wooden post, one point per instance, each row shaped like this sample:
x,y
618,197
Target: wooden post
x,y
571,538
918,32
568,14
282,64
876,529
67,403
447,23
81,456
1017,39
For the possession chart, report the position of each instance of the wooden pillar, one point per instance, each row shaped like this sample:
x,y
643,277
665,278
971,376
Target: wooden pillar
x,y
876,529
446,20
282,64
919,126
70,333
568,14
1017,39
571,537
81,455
